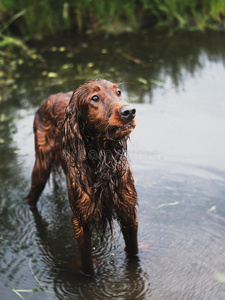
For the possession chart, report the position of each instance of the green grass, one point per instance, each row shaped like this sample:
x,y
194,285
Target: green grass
x,y
46,17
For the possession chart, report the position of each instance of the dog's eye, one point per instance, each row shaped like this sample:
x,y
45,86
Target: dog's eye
x,y
119,93
95,98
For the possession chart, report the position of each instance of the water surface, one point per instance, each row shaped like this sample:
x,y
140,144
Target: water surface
x,y
177,157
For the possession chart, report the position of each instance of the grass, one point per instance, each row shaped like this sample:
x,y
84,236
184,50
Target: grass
x,y
33,18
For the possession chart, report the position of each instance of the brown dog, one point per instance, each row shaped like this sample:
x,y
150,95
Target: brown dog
x,y
86,132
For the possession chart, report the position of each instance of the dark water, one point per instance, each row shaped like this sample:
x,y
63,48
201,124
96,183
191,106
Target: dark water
x,y
177,154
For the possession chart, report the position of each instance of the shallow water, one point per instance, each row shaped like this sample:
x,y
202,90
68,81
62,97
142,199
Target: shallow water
x,y
177,157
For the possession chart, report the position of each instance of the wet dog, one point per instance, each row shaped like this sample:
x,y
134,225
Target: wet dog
x,y
85,132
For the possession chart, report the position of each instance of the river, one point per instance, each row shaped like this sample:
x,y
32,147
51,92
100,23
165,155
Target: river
x,y
176,152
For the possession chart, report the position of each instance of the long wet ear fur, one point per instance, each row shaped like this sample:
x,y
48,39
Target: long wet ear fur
x,y
72,145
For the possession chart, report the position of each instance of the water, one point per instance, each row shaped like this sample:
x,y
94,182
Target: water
x,y
177,157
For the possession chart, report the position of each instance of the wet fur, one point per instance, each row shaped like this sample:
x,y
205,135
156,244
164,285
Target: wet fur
x,y
89,142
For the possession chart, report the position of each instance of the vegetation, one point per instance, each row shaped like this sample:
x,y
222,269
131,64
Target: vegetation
x,y
44,17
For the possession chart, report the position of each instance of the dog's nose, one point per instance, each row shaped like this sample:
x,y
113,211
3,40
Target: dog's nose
x,y
128,112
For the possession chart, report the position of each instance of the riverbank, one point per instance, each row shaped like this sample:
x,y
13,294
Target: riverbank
x,y
35,19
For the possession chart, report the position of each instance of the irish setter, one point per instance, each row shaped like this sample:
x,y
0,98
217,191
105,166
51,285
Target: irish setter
x,y
86,132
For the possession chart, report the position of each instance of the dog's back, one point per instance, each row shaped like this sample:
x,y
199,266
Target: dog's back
x,y
47,119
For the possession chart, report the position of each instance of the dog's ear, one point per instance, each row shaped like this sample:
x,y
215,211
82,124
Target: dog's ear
x,y
73,117
73,145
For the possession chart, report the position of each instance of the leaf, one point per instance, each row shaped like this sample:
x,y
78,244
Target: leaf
x,y
3,117
21,291
90,64
62,49
10,81
212,209
52,75
79,68
220,277
35,277
67,66
159,83
142,80
167,204
131,58
15,291
70,55
34,56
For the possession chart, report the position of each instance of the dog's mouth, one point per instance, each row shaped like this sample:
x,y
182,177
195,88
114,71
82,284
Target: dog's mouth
x,y
120,131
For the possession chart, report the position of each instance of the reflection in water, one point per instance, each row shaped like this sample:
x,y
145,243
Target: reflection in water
x,y
177,156
159,57
115,276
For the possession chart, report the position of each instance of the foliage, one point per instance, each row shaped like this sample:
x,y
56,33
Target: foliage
x,y
9,41
189,13
44,17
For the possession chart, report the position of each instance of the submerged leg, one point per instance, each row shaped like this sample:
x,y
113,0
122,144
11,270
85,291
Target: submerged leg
x,y
129,227
83,236
130,236
40,175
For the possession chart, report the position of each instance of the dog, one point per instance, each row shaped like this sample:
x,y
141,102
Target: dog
x,y
85,132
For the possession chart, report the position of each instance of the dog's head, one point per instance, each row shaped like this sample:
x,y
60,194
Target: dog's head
x,y
99,108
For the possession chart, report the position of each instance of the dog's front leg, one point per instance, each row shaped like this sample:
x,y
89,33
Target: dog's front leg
x,y
83,236
129,227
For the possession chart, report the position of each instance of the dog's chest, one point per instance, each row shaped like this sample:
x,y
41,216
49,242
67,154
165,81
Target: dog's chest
x,y
107,200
